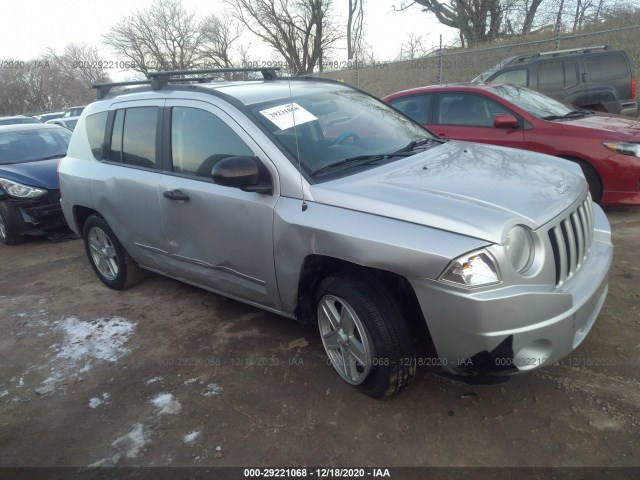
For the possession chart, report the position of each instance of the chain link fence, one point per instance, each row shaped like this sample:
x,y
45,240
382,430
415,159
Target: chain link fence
x,y
462,65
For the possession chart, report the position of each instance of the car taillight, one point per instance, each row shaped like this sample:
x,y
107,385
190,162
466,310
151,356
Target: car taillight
x,y
633,87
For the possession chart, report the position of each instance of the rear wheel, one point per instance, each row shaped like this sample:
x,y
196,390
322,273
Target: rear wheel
x,y
107,256
10,223
365,336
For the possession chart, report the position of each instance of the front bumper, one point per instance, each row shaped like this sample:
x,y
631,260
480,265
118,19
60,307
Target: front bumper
x,y
513,329
40,216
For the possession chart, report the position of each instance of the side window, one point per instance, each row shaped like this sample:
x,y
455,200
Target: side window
x,y
469,110
551,76
571,73
416,107
199,139
517,77
606,67
139,138
115,151
95,125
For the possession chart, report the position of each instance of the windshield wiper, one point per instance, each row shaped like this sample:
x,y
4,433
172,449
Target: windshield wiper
x,y
416,143
367,159
571,114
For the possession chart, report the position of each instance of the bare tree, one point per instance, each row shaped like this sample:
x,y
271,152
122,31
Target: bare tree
x,y
413,48
168,37
40,85
301,31
80,63
354,27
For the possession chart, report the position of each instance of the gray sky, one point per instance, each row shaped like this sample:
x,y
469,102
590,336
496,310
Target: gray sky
x,y
27,28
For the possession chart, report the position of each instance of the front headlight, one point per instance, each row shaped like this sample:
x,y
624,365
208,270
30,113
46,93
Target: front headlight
x,y
472,270
520,248
624,148
17,190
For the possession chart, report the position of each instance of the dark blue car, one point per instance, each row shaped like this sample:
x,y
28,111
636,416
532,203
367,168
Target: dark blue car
x,y
29,191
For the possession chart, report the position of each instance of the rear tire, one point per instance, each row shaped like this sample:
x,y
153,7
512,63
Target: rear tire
x,y
10,222
365,336
108,258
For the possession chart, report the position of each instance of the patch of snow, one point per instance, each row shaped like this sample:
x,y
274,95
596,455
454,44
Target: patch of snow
x,y
101,339
4,391
191,381
211,390
21,382
133,442
166,403
154,380
191,437
96,401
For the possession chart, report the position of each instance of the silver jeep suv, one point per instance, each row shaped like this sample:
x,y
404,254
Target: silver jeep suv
x,y
316,201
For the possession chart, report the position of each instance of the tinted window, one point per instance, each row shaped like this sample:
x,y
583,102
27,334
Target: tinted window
x,y
139,138
467,109
517,77
557,75
115,151
416,106
95,126
551,76
199,139
570,73
606,67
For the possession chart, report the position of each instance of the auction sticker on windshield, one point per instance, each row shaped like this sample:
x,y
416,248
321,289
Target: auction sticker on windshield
x,y
287,115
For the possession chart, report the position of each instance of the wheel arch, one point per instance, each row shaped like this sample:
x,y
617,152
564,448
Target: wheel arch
x,y
80,215
316,268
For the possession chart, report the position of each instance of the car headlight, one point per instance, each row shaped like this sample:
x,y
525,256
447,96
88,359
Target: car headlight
x,y
17,190
520,248
472,270
624,148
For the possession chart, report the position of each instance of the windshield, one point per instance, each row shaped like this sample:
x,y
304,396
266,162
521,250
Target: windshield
x,y
342,128
32,145
531,101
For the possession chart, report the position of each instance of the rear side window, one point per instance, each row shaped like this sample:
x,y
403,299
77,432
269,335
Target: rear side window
x,y
607,67
557,75
517,77
199,140
95,125
133,140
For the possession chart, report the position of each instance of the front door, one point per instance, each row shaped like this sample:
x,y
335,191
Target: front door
x,y
220,238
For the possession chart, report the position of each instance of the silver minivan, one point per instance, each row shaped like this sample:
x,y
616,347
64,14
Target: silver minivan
x,y
314,200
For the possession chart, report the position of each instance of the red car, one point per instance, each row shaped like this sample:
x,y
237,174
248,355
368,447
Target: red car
x,y
606,146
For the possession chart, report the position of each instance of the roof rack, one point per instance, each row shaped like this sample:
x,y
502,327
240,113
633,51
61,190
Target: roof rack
x,y
556,53
157,80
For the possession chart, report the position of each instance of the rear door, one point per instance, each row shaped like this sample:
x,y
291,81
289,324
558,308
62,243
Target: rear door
x,y
559,79
221,238
126,187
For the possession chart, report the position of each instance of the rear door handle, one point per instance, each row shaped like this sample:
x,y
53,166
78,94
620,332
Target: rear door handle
x,y
176,195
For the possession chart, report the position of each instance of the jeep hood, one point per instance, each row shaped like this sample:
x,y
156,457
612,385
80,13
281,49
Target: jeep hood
x,y
472,189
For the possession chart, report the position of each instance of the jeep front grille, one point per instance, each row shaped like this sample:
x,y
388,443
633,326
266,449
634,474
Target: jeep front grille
x,y
571,239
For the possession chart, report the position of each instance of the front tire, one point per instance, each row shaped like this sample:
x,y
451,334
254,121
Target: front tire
x,y
108,258
10,222
365,336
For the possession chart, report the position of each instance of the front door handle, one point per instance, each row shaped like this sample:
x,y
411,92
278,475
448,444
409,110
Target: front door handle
x,y
176,195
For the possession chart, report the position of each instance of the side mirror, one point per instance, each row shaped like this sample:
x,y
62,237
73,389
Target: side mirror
x,y
240,172
505,120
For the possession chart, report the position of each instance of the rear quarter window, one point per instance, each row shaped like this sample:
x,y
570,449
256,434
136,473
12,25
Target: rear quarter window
x,y
517,77
95,126
607,67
